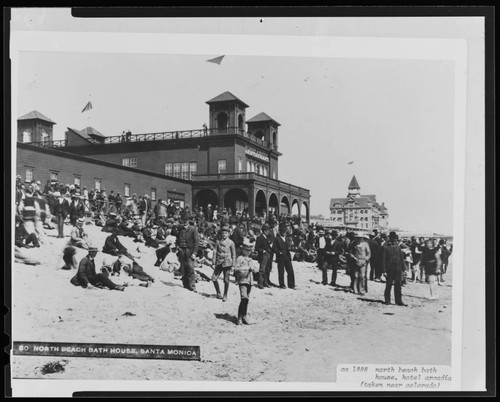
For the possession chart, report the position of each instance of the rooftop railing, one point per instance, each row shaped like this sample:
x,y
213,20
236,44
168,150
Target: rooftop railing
x,y
49,144
176,135
163,136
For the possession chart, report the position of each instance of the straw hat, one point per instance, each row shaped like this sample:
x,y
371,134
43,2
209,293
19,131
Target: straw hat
x,y
247,245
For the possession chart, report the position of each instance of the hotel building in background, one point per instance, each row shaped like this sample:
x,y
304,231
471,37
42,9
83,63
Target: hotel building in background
x,y
357,210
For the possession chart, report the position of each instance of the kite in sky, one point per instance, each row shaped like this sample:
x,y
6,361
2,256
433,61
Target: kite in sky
x,y
216,60
350,163
88,106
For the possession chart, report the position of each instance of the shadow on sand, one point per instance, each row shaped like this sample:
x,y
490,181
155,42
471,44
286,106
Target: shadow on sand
x,y
227,317
171,284
370,300
209,295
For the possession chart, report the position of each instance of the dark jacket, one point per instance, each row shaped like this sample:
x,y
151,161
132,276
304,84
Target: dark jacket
x,y
61,209
262,246
281,249
21,235
393,258
112,244
86,269
76,211
238,234
189,238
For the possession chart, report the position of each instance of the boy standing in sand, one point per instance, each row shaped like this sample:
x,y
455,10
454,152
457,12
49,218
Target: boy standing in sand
x,y
243,270
225,256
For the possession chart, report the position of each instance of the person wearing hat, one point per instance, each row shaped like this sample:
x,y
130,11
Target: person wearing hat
x,y
375,250
143,209
359,255
263,247
320,244
209,213
76,209
225,258
148,233
188,249
162,252
393,263
61,211
328,259
244,268
281,247
79,237
113,246
88,278
240,232
111,223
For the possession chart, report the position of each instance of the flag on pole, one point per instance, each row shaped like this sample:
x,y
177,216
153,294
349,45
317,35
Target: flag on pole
x,y
350,163
88,106
216,60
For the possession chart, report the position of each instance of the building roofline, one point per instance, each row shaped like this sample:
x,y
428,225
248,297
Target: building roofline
x,y
220,98
35,115
70,155
262,117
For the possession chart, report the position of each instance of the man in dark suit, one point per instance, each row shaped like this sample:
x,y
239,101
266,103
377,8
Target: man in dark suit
x,y
143,209
283,257
327,257
61,210
188,249
264,253
113,246
337,250
87,278
393,263
320,243
76,209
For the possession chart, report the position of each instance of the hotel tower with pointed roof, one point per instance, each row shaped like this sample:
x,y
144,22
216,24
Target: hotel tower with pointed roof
x,y
361,211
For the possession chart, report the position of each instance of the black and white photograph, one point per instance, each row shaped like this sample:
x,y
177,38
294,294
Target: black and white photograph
x,y
249,204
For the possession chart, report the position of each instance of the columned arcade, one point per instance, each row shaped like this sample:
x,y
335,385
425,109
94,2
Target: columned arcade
x,y
252,191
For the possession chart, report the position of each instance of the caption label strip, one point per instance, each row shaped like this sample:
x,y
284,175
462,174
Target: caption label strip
x,y
104,350
394,377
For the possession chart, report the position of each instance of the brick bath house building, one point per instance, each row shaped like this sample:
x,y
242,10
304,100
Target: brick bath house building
x,y
233,162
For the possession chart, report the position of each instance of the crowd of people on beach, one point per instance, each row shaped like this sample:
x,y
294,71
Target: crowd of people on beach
x,y
229,242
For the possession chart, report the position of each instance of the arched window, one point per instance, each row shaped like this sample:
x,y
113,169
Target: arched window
x,y
222,120
275,139
240,122
27,136
44,136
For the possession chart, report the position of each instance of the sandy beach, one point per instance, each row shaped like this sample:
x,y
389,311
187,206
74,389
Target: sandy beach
x,y
297,335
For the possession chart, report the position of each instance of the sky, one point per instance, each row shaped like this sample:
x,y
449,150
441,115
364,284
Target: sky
x,y
393,118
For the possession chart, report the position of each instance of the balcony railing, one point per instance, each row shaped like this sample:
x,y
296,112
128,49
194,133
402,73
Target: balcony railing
x,y
248,176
